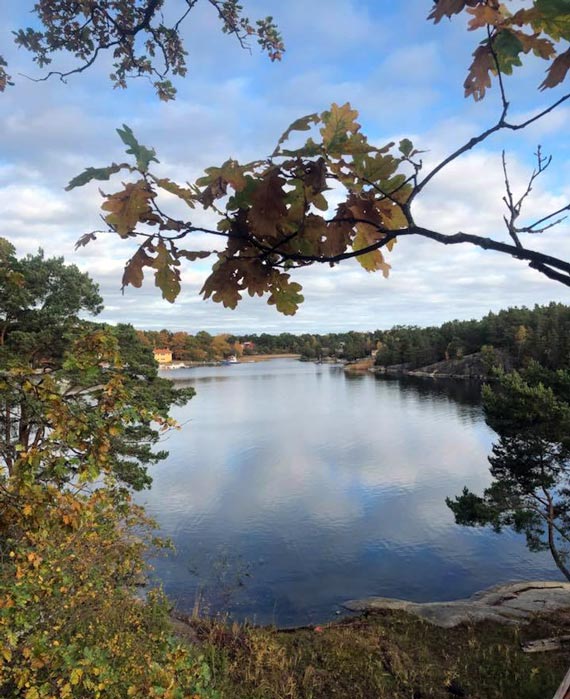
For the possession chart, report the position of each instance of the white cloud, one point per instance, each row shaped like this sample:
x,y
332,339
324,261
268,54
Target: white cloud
x,y
237,104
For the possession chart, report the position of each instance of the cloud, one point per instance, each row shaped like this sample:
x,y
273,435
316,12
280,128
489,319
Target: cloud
x,y
237,104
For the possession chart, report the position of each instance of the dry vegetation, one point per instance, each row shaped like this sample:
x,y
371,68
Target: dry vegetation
x,y
384,656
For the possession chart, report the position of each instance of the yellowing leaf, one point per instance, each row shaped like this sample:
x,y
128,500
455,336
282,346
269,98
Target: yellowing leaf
x,y
338,124
371,261
229,173
284,295
167,277
184,193
75,675
128,207
478,78
374,169
553,18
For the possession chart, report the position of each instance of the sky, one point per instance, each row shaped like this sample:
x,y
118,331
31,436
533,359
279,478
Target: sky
x,y
403,74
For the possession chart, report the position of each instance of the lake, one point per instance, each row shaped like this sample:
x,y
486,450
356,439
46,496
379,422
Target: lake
x,y
292,487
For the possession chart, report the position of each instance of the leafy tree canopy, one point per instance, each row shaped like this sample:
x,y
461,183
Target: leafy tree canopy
x,y
530,463
143,36
334,195
78,399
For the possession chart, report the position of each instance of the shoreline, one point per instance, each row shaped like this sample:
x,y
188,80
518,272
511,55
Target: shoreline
x,y
392,653
250,359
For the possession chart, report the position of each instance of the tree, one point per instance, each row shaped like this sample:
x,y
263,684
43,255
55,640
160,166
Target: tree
x,y
58,369
80,406
530,463
142,42
270,210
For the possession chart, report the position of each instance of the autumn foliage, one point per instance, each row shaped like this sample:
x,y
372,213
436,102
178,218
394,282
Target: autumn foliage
x,y
335,195
80,411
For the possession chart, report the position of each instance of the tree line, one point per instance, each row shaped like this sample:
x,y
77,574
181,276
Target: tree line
x,y
514,336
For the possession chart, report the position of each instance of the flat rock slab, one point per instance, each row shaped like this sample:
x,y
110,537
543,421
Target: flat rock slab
x,y
512,603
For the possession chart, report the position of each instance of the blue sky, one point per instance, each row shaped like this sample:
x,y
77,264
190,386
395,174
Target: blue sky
x,y
405,77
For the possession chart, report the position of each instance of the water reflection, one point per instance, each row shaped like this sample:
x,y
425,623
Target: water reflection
x,y
324,487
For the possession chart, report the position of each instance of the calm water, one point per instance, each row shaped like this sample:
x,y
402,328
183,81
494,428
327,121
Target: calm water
x,y
293,487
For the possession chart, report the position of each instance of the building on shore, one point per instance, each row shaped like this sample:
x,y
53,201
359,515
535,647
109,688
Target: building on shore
x,y
163,356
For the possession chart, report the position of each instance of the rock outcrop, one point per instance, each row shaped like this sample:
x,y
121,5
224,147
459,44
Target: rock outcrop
x,y
512,603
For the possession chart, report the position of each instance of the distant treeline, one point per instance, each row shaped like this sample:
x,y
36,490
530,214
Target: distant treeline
x,y
519,334
516,334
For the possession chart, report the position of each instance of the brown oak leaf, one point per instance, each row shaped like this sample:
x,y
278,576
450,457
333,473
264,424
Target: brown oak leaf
x,y
268,207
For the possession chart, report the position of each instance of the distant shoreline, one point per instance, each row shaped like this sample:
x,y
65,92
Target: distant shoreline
x,y
242,360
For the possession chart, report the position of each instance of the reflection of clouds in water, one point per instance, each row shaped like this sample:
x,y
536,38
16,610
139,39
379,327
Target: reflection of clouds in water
x,y
337,484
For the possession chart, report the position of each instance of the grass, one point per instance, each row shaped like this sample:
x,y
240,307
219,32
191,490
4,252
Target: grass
x,y
385,655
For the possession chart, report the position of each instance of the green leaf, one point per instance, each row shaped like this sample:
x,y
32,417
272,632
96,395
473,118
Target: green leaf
x,y
375,169
507,47
309,150
406,147
301,124
554,18
94,173
144,156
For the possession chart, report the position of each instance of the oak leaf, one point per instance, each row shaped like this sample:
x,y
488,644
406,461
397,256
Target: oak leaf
x,y
314,231
315,175
339,122
184,193
508,47
224,283
231,172
447,8
133,273
374,169
557,71
143,155
338,232
301,124
128,207
167,276
95,173
284,295
554,18
484,15
268,207
478,78
215,190
193,255
373,260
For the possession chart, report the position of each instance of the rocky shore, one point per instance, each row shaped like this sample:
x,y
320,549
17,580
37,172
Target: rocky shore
x,y
473,367
512,603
